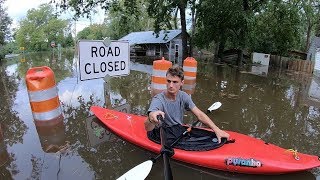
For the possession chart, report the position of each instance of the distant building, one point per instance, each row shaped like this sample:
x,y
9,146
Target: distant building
x,y
314,54
298,54
167,43
314,44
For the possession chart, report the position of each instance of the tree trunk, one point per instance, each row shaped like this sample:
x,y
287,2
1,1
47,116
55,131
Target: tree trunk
x,y
216,52
184,35
240,57
175,19
308,36
193,26
221,49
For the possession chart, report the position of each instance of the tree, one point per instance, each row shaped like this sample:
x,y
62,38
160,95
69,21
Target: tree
x,y
120,21
160,10
310,12
222,24
39,28
68,41
5,23
264,26
276,29
93,32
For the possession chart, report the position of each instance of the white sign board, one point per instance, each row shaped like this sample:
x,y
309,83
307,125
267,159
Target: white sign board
x,y
261,58
97,60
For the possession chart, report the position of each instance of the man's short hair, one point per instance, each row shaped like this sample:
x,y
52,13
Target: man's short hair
x,y
176,70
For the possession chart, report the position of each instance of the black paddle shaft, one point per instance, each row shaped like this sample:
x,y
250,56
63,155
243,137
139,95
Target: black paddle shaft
x,y
165,150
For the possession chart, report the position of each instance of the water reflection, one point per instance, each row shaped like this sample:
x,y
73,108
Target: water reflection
x,y
280,108
314,90
15,128
97,133
132,90
268,108
186,171
4,156
52,135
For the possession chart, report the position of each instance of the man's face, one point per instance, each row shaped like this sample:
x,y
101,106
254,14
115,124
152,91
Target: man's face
x,y
173,84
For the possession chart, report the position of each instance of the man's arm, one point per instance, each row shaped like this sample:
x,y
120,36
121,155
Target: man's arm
x,y
207,121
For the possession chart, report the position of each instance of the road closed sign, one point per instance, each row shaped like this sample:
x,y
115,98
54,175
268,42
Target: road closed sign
x,y
96,60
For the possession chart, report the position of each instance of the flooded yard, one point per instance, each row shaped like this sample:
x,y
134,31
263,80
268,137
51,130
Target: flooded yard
x,y
277,106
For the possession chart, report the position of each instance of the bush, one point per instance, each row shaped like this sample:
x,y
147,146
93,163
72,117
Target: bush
x,y
9,48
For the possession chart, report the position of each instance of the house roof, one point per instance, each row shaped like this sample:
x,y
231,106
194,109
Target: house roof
x,y
149,37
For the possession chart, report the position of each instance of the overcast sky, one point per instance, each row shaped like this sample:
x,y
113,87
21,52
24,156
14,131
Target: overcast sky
x,y
17,10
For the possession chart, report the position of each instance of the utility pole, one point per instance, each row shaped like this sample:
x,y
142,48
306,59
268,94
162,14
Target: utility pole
x,y
75,33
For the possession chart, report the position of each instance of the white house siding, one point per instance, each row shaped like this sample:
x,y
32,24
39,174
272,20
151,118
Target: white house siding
x,y
172,50
316,70
315,43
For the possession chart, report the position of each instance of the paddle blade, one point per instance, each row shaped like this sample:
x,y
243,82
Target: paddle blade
x,y
214,106
139,172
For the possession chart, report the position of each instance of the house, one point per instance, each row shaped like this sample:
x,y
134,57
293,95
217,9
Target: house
x,y
167,43
314,54
314,44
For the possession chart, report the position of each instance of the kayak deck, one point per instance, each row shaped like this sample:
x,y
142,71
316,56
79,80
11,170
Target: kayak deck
x,y
246,155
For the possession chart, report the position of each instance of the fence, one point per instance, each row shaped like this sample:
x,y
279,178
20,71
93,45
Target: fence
x,y
292,64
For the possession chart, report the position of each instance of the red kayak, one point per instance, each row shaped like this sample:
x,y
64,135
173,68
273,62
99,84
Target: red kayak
x,y
246,155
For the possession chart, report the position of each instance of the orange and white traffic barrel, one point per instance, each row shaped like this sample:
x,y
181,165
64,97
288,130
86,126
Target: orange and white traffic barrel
x,y
4,155
190,74
189,86
159,81
43,95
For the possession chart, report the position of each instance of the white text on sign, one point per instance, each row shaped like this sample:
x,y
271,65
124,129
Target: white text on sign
x,y
97,60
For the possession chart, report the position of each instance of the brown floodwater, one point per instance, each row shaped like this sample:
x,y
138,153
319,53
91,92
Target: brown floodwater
x,y
278,106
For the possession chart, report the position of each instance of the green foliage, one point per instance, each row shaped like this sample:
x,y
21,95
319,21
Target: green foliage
x,y
125,17
69,41
131,15
122,18
2,53
221,23
277,29
39,28
93,32
5,22
263,26
8,49
162,11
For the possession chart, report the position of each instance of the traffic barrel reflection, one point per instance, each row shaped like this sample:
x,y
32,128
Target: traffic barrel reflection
x,y
52,135
158,79
190,75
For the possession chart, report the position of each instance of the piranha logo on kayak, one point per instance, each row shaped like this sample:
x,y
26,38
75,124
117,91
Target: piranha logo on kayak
x,y
243,162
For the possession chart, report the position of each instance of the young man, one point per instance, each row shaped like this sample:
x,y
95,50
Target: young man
x,y
171,105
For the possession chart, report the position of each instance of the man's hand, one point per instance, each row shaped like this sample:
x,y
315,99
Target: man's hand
x,y
153,116
221,134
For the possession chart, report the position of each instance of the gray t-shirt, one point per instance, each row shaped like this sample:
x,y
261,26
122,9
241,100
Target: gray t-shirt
x,y
174,110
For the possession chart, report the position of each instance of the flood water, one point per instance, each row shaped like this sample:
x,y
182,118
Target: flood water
x,y
277,106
